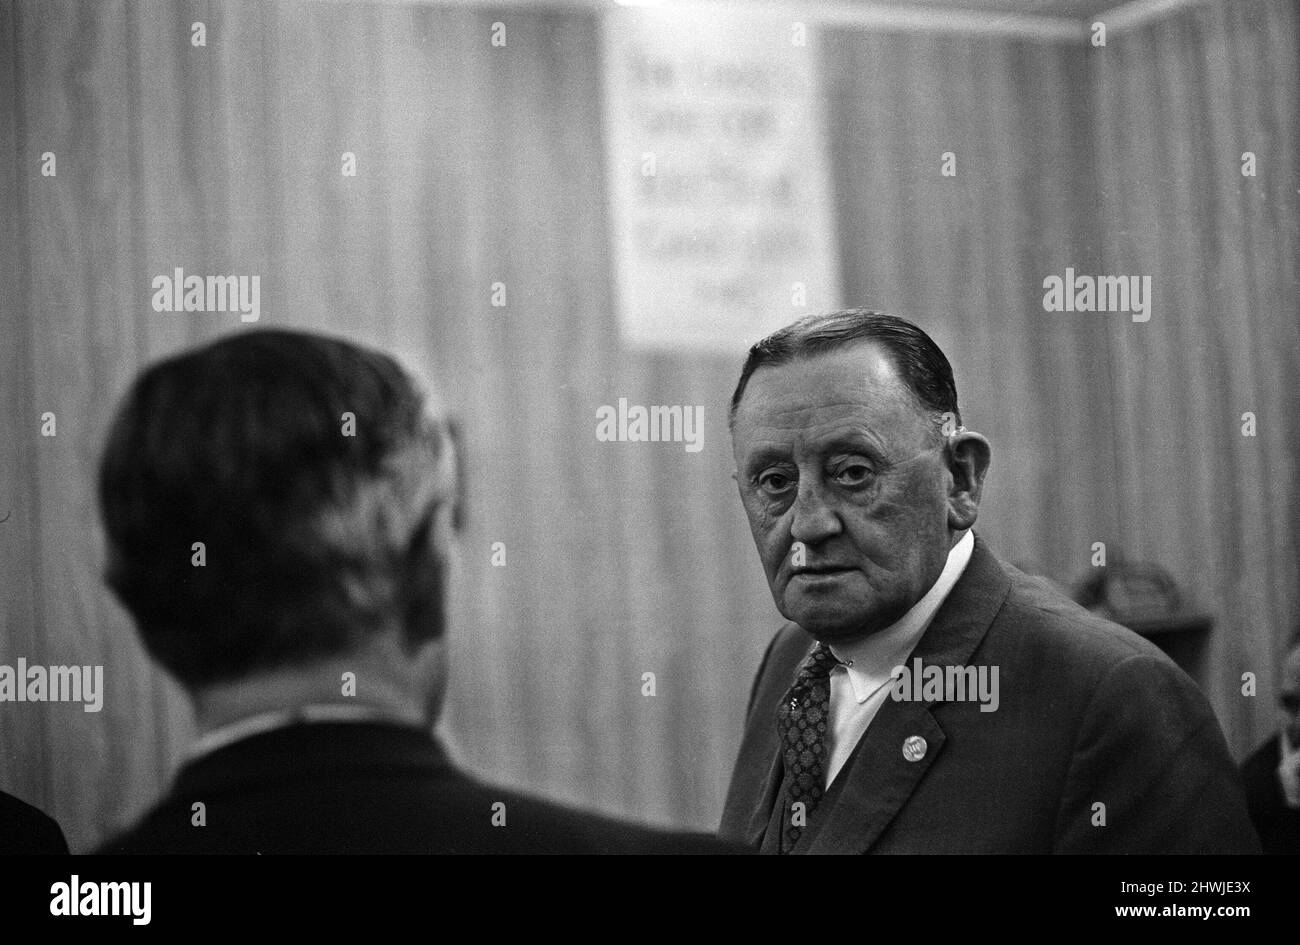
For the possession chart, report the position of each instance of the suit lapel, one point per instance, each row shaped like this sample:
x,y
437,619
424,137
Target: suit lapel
x,y
747,817
757,778
300,751
765,815
879,779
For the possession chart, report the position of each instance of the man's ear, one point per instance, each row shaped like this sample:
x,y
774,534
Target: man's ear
x,y
429,666
968,460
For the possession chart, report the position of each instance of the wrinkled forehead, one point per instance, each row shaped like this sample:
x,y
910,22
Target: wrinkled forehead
x,y
851,390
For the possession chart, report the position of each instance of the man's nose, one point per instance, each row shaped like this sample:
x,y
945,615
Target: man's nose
x,y
814,520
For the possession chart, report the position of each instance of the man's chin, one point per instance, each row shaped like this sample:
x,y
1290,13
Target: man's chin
x,y
830,626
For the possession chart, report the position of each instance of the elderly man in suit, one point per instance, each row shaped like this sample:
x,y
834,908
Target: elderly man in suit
x,y
925,697
279,508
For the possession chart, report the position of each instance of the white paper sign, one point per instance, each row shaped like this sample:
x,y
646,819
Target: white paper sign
x,y
723,229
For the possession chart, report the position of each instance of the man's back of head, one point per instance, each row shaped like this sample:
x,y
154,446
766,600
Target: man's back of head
x,y
276,502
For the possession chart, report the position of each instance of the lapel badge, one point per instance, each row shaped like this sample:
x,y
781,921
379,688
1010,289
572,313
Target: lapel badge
x,y
914,747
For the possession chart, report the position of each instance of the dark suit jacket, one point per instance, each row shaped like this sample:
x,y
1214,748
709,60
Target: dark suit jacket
x,y
1278,825
27,829
367,788
1090,713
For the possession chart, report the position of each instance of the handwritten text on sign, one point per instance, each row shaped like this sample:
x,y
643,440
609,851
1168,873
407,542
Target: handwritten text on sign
x,y
722,220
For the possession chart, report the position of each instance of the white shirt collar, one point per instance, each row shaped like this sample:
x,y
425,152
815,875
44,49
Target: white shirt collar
x,y
872,659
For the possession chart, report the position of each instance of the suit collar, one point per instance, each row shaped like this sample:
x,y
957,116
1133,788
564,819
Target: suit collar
x,y
249,726
879,778
967,614
306,750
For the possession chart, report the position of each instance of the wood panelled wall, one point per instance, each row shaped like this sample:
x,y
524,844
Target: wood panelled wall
x,y
480,165
1120,160
1176,112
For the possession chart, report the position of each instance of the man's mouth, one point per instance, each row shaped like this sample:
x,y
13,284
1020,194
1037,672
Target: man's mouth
x,y
821,570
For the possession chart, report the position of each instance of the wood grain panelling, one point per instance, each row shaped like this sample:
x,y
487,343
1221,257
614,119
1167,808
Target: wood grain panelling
x,y
1177,104
1121,160
965,257
479,165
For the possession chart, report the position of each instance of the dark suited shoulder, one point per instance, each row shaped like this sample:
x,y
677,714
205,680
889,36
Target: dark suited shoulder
x,y
369,788
1147,744
25,829
1075,634
533,825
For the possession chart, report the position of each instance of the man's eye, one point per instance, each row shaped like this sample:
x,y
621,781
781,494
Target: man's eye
x,y
774,483
854,474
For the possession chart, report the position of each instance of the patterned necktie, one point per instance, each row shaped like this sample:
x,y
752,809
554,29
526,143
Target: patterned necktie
x,y
801,723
